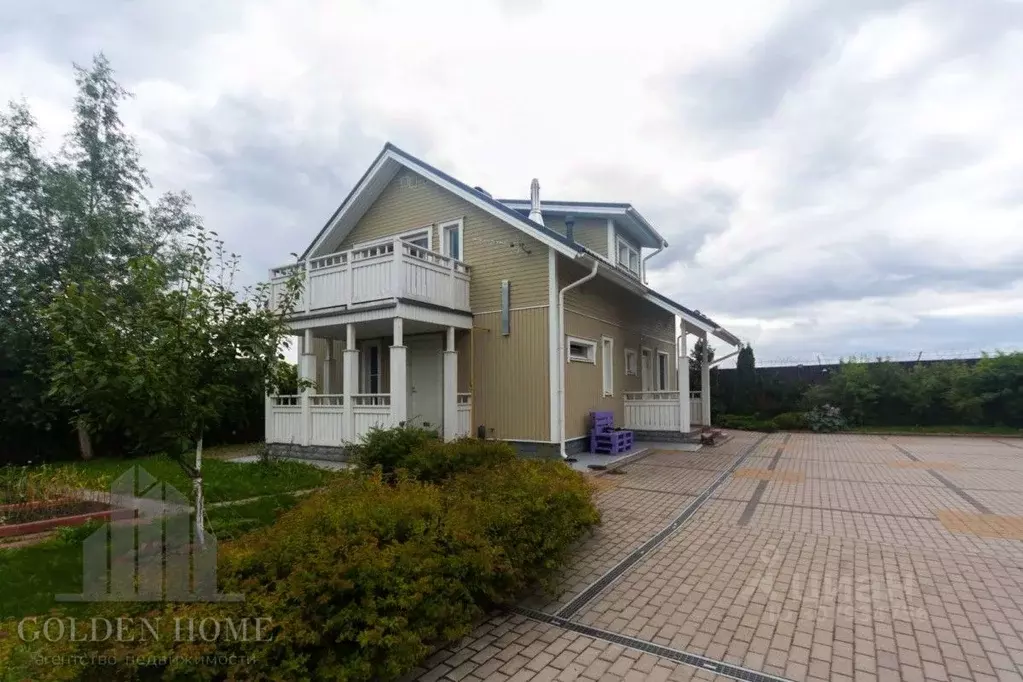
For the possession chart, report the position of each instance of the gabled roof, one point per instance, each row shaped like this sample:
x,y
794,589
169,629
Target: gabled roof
x,y
626,215
383,169
391,159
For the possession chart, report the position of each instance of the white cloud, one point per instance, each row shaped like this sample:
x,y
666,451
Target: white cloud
x,y
832,174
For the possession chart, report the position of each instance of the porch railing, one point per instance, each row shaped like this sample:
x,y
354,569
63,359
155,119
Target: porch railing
x,y
319,419
386,270
464,415
659,410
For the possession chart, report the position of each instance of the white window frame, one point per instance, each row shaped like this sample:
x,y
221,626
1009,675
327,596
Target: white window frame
x,y
589,344
633,253
663,385
404,236
443,228
607,365
631,362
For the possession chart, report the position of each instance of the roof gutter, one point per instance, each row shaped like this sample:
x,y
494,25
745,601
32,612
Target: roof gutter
x,y
561,354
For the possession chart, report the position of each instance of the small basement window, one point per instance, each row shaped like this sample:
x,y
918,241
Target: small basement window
x,y
631,363
581,350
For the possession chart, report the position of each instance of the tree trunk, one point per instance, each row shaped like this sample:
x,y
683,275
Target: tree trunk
x,y
84,441
200,507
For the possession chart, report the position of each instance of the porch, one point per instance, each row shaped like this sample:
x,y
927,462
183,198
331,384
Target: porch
x,y
410,375
379,271
662,411
673,411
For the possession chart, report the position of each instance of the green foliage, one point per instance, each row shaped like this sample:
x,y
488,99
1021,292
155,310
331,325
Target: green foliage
x,y
745,423
987,393
389,448
790,421
66,219
883,393
696,363
825,419
364,579
434,461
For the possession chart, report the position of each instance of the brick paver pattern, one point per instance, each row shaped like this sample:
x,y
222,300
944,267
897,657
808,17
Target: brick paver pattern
x,y
825,557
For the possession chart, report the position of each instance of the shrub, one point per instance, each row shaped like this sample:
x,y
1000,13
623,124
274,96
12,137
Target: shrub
x,y
364,579
744,423
389,448
790,421
826,419
434,461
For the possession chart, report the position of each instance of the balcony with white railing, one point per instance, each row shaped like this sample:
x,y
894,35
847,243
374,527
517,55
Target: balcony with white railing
x,y
659,410
367,274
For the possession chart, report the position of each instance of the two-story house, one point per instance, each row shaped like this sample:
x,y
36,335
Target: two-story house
x,y
427,299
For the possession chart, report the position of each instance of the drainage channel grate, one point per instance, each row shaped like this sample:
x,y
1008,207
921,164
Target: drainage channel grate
x,y
697,661
587,595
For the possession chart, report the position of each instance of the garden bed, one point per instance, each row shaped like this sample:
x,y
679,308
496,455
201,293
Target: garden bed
x,y
37,517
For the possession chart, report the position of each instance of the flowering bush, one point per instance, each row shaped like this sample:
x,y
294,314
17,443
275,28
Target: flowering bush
x,y
825,419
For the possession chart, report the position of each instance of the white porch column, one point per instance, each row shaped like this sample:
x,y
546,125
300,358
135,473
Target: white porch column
x,y
307,371
705,383
682,367
328,369
450,387
399,381
349,382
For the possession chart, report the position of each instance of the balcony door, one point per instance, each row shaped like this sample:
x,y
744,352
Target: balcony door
x,y
425,379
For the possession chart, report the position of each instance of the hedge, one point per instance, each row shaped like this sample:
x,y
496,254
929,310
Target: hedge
x,y
365,579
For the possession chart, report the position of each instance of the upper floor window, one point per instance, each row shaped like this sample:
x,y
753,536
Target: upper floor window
x,y
420,238
451,239
628,256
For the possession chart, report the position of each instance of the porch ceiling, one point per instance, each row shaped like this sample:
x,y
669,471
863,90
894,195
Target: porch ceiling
x,y
372,329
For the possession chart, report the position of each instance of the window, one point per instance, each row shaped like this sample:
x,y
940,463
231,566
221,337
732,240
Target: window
x,y
371,367
451,239
630,362
420,238
581,350
607,362
628,256
662,371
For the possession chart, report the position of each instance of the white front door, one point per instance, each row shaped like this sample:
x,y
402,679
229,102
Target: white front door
x,y
646,362
425,380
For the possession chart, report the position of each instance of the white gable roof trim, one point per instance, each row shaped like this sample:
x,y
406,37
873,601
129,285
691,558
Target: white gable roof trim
x,y
383,170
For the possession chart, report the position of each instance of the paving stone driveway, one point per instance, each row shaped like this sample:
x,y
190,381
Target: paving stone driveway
x,y
820,557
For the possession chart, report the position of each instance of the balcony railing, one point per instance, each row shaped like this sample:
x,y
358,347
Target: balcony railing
x,y
387,270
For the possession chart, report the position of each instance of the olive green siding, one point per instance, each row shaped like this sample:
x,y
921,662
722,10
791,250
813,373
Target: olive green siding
x,y
598,309
511,392
494,249
589,232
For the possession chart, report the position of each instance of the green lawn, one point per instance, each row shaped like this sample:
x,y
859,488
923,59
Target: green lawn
x,y
923,430
222,480
31,576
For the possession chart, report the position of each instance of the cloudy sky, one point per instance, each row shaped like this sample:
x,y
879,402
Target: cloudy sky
x,y
834,176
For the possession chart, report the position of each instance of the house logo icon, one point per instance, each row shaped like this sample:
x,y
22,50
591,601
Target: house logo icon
x,y
146,554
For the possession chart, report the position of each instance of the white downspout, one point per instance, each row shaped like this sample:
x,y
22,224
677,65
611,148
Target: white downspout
x,y
561,353
646,258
